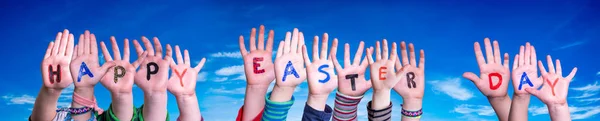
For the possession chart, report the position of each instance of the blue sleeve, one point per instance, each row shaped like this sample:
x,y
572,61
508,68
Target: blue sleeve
x,y
311,114
276,111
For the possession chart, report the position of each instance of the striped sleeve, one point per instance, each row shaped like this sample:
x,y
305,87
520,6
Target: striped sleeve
x,y
276,111
345,107
380,115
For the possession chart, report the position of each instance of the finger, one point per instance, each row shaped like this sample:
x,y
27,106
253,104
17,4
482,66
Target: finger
x,y
295,40
572,74
105,52
158,47
401,72
315,48
70,44
542,68
497,53
521,56
75,55
139,60
413,58
49,50
253,39
280,49
243,50
178,55
385,51
94,45
365,62
394,55
378,51
398,65
63,42
270,40
506,58
300,42
369,54
488,50
558,68
478,54
533,59
86,42
286,44
333,54
261,38
138,48
404,53
186,57
305,55
126,52
115,48
515,62
550,65
358,53
471,76
148,45
346,55
324,46
80,43
526,60
336,64
169,53
422,59
200,65
105,67
534,92
57,43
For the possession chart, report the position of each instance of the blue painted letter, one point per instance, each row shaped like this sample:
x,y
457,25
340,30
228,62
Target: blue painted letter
x,y
524,78
84,70
323,71
289,69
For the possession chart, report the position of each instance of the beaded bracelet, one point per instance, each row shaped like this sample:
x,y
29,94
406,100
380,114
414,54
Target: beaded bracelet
x,y
76,111
412,114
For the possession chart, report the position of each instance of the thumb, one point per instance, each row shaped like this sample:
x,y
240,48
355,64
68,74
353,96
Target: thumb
x,y
534,92
106,66
471,76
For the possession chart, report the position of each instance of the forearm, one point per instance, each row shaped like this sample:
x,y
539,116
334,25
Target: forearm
x,y
254,101
381,99
122,106
501,106
518,107
559,112
317,102
155,106
281,93
44,108
412,105
189,109
84,92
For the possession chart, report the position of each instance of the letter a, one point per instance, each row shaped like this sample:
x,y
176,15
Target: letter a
x,y
84,70
151,71
382,73
119,75
494,87
52,73
255,65
324,72
289,69
524,78
352,77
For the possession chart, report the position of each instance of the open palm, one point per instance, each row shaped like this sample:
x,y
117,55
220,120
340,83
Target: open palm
x,y
320,83
525,65
58,54
556,87
289,54
345,85
119,79
152,82
183,78
384,63
413,85
494,75
86,57
258,64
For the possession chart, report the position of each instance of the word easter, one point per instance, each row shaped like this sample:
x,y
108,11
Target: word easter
x,y
84,70
324,72
52,74
255,65
119,75
524,78
180,75
352,77
289,69
410,77
382,73
151,71
494,87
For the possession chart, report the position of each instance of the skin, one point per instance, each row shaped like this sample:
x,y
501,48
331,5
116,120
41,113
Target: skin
x,y
356,67
155,89
184,87
557,101
319,92
121,91
382,88
86,51
58,52
524,62
498,98
412,97
289,50
257,84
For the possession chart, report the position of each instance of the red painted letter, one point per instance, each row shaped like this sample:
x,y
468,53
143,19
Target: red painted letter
x,y
180,75
492,86
52,73
552,85
382,73
255,65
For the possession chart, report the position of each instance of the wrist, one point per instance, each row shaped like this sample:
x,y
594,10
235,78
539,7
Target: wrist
x,y
86,92
381,99
262,89
155,97
317,102
499,98
50,91
282,93
412,104
521,97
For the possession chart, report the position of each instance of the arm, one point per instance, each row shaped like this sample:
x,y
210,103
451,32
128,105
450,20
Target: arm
x,y
152,78
524,75
352,84
384,78
411,88
320,83
258,67
494,77
183,85
55,76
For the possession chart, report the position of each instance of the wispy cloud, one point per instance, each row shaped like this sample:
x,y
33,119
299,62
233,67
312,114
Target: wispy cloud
x,y
231,70
453,88
589,87
23,99
538,110
481,110
220,79
588,91
576,112
570,45
226,55
223,90
201,76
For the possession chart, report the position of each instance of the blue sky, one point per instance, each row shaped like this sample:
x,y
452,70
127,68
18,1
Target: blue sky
x,y
446,30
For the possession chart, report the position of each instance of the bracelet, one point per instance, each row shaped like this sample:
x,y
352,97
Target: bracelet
x,y
75,111
412,114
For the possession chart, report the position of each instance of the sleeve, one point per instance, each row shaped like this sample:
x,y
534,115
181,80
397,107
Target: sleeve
x,y
345,107
276,111
311,114
241,113
380,115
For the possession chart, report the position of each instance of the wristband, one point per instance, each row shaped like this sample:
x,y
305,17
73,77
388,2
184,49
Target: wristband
x,y
412,114
87,103
75,111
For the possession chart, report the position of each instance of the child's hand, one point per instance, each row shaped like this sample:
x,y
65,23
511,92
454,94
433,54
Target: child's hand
x,y
289,68
351,79
494,75
183,77
556,87
320,71
154,71
119,79
55,66
85,67
258,64
413,85
383,75
525,65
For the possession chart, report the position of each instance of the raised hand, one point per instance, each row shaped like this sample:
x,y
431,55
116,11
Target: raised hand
x,y
351,77
85,66
524,74
289,66
258,64
321,78
55,66
154,71
119,78
383,75
413,85
183,78
494,75
556,87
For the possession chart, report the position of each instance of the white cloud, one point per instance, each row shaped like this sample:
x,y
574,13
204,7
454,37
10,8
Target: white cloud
x,y
570,45
478,109
220,79
471,117
202,77
589,91
226,55
241,77
538,110
231,70
23,99
576,112
589,87
223,90
453,88
598,74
